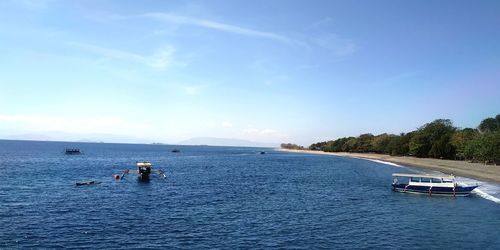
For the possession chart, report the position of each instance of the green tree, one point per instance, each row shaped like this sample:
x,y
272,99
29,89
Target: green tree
x,y
471,150
380,143
460,139
433,140
437,139
489,148
420,145
318,146
399,144
364,143
350,145
336,146
291,146
484,148
489,125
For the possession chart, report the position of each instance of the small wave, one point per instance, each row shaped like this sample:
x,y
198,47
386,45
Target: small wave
x,y
481,193
486,190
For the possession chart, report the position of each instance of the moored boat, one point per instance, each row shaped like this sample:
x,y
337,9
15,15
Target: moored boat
x,y
431,185
72,151
144,169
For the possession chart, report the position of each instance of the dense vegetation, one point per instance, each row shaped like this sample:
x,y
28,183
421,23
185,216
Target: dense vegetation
x,y
291,146
438,139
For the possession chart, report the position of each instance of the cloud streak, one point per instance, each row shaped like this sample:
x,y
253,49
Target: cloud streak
x,y
339,46
216,26
161,59
330,41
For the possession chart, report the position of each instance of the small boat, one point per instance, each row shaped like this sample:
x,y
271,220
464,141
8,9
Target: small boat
x,y
144,169
86,183
262,152
72,151
176,151
431,185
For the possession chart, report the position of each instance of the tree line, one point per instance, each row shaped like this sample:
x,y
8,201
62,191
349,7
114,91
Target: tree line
x,y
438,139
291,146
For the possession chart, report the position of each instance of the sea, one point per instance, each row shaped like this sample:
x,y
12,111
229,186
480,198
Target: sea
x,y
225,198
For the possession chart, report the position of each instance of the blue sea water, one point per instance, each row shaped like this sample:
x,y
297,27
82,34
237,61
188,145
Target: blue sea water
x,y
223,197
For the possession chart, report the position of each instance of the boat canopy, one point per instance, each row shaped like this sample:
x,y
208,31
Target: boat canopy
x,y
144,164
424,176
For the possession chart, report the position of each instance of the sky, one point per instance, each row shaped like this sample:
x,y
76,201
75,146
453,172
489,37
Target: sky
x,y
266,71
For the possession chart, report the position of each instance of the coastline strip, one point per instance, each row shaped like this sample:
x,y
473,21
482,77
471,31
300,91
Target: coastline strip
x,y
478,171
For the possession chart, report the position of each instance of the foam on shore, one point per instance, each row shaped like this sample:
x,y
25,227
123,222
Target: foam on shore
x,y
385,162
485,190
485,195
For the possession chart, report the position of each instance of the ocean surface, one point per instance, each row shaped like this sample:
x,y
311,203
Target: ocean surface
x,y
224,197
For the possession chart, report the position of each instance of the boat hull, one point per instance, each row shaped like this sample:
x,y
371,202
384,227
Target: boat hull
x,y
143,176
446,191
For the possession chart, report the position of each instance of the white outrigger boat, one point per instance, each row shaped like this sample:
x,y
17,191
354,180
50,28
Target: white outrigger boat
x,y
431,184
144,169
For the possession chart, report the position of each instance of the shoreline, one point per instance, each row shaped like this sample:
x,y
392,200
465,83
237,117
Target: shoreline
x,y
478,171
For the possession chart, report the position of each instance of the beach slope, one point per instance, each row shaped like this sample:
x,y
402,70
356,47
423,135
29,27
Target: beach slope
x,y
476,171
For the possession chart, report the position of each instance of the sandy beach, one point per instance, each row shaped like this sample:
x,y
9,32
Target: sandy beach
x,y
476,171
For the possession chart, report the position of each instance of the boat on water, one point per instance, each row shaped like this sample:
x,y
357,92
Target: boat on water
x,y
86,183
144,170
431,184
176,151
72,151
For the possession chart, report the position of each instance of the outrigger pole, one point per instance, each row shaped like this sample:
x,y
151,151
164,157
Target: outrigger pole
x,y
160,172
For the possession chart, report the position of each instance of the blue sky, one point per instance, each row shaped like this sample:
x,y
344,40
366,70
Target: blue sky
x,y
266,71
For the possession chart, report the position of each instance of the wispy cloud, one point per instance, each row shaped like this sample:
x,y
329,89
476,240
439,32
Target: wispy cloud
x,y
161,59
165,17
337,45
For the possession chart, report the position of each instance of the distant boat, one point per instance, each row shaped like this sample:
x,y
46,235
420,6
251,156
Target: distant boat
x,y
72,151
262,152
431,185
86,183
176,151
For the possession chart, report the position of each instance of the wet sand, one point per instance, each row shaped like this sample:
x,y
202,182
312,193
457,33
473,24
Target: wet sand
x,y
476,171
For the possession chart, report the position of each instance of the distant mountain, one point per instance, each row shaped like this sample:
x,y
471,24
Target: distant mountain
x,y
74,137
31,137
211,141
